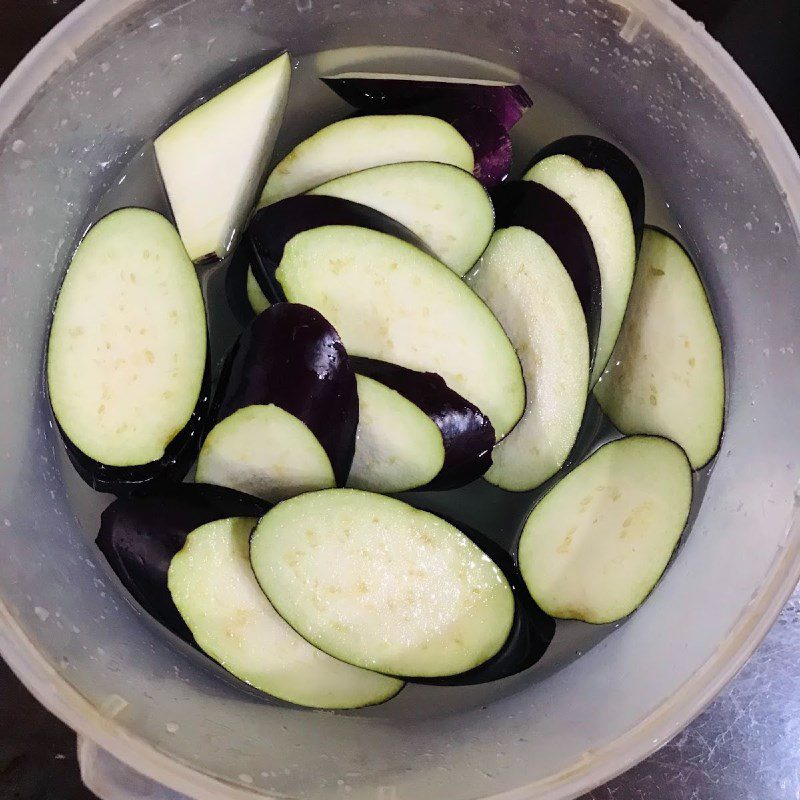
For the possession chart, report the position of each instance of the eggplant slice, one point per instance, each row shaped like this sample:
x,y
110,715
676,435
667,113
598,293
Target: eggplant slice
x,y
213,586
466,432
533,206
598,542
584,176
358,143
374,91
666,374
288,408
139,536
127,354
379,584
522,280
392,302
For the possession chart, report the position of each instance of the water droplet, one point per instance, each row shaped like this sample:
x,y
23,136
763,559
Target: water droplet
x,y
117,92
42,613
18,146
245,778
177,57
173,727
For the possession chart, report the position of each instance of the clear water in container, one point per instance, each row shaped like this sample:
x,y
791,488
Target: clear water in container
x,y
496,513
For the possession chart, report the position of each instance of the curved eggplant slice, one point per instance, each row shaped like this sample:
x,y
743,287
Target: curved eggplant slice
x,y
467,433
374,91
535,207
531,633
292,358
275,225
596,153
139,536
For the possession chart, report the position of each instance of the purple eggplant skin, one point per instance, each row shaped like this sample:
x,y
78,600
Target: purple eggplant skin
x,y
488,138
531,632
140,535
292,357
274,225
179,455
506,102
467,433
596,153
530,205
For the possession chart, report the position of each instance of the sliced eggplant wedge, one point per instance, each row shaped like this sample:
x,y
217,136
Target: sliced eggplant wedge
x,y
467,434
533,206
373,91
212,159
392,302
523,281
213,586
596,544
586,177
381,585
127,353
272,227
666,374
288,408
443,205
139,536
257,299
358,143
398,446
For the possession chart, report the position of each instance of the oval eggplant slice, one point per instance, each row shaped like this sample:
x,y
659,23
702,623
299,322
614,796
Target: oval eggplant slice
x,y
596,153
522,280
272,227
398,446
533,206
358,143
214,588
288,407
126,359
443,205
596,544
591,189
666,374
531,632
379,584
392,302
139,536
374,91
467,434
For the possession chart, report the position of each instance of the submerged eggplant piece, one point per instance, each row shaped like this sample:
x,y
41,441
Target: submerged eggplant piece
x,y
382,585
139,536
596,153
127,365
535,207
467,433
374,90
275,225
531,632
288,407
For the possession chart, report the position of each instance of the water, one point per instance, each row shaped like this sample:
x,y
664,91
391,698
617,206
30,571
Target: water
x,y
496,513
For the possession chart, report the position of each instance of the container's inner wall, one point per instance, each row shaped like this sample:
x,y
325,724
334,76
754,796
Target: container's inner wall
x,y
100,108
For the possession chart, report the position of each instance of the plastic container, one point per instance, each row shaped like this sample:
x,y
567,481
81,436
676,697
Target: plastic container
x,y
88,97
